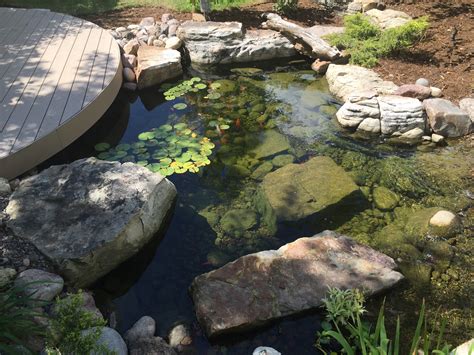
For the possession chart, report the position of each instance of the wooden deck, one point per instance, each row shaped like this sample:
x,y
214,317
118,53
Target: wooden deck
x,y
58,76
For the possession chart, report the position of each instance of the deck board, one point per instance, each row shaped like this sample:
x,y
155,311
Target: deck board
x,y
58,75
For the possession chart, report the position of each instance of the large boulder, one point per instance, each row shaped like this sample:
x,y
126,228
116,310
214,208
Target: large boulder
x,y
345,80
388,18
90,216
400,114
270,284
447,119
358,108
40,285
109,340
211,43
156,65
297,191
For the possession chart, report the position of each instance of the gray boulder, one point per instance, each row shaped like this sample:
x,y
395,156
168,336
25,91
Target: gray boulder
x,y
143,328
344,80
447,119
357,108
297,191
211,43
260,287
91,215
156,65
110,339
6,276
5,188
151,346
40,285
400,114
467,105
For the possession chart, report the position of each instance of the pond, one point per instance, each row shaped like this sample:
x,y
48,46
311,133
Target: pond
x,y
217,136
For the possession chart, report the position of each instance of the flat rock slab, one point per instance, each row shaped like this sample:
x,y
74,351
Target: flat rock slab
x,y
447,119
91,215
156,65
345,80
210,43
388,18
297,191
260,287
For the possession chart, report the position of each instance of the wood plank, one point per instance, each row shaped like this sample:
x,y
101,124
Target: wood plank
x,y
31,49
112,64
6,18
50,68
79,87
49,104
42,62
17,29
96,80
10,25
17,49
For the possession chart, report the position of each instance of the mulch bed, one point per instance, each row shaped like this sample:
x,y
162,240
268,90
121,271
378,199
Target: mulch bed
x,y
448,64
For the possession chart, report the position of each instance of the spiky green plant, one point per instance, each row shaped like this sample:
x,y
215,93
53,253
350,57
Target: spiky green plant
x,y
345,326
18,309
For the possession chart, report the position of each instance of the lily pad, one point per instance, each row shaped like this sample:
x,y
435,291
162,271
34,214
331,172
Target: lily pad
x,y
146,136
200,86
102,147
180,106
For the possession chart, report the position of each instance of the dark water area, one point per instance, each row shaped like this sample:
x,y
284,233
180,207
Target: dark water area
x,y
217,145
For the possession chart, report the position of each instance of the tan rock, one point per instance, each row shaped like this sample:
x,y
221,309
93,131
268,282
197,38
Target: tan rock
x,y
445,223
156,65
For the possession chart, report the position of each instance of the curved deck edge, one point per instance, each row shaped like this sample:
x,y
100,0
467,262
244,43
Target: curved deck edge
x,y
44,148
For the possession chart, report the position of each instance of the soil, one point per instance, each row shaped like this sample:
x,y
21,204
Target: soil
x,y
446,63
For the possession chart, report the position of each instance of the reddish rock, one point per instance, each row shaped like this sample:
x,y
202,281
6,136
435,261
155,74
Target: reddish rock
x,y
260,287
447,119
419,92
320,66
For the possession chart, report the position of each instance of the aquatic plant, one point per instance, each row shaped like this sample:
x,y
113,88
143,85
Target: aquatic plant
x,y
171,92
344,325
166,150
17,312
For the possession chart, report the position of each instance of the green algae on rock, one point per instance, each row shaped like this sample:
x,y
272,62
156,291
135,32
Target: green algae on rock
x,y
385,199
297,191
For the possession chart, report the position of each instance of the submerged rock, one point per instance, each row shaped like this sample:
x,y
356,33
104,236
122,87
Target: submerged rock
x,y
260,287
91,215
238,221
385,199
270,142
445,224
296,191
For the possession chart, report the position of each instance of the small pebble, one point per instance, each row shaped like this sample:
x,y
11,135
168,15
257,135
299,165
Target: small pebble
x,y
26,262
436,92
423,82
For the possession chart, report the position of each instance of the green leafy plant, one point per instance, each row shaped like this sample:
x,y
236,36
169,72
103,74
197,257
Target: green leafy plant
x,y
285,6
67,326
345,326
18,308
366,42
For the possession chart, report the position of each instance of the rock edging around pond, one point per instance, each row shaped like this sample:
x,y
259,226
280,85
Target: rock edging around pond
x,y
91,215
267,285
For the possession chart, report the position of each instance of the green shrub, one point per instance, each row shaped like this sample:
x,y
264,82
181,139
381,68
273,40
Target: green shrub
x,y
70,320
366,42
285,6
344,325
17,312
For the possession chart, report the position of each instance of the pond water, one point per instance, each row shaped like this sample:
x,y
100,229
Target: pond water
x,y
216,138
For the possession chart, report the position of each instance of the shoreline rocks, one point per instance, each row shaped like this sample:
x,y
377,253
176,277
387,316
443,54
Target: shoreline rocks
x,y
447,119
89,216
271,284
156,65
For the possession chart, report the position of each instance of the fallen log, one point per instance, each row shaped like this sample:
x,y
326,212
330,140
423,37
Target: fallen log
x,y
318,48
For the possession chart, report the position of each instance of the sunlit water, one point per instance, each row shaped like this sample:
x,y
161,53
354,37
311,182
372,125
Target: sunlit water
x,y
254,118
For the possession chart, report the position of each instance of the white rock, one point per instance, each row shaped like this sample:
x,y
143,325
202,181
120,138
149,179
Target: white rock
x,y
423,82
345,80
436,92
156,65
133,27
265,350
437,138
445,223
400,114
147,21
121,29
173,43
179,336
388,18
132,47
158,43
145,327
464,349
413,134
41,285
151,39
371,125
357,108
467,105
426,138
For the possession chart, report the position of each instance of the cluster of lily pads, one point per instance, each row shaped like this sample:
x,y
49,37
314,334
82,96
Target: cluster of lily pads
x,y
192,85
166,150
